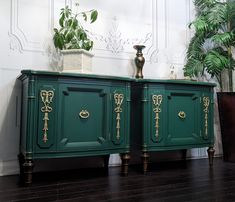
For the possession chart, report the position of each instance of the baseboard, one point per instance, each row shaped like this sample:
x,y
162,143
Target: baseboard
x,y
10,167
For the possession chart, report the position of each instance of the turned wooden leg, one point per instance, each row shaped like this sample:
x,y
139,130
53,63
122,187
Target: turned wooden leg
x,y
125,162
145,157
211,152
106,161
28,171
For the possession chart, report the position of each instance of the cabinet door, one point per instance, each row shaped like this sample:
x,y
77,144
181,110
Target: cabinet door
x,y
183,124
83,117
45,140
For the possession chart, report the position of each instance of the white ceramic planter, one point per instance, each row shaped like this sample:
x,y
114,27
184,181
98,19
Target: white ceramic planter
x,y
77,60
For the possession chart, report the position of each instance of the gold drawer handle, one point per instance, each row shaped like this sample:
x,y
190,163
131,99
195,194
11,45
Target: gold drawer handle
x,y
84,114
182,115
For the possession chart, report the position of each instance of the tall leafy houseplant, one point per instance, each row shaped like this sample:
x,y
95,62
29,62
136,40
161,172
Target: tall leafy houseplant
x,y
210,48
71,34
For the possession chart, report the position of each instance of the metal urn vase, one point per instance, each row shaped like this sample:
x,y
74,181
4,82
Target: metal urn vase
x,y
139,61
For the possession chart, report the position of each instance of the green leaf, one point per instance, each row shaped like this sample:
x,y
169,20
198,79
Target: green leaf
x,y
193,67
200,25
218,15
69,36
94,15
195,48
216,63
84,16
75,23
224,39
70,21
55,30
61,20
58,41
67,11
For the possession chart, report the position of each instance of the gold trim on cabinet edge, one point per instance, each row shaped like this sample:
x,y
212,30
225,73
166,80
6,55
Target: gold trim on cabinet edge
x,y
118,98
206,103
157,101
46,97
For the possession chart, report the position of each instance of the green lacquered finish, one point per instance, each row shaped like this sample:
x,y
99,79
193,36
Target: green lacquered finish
x,y
183,120
72,115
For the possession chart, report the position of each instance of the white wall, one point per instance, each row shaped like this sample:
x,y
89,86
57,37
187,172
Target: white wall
x,y
26,32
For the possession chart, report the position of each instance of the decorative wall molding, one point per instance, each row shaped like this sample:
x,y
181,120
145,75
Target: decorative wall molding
x,y
113,43
170,58
18,38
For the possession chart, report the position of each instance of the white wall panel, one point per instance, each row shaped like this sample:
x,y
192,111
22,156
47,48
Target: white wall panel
x,y
30,23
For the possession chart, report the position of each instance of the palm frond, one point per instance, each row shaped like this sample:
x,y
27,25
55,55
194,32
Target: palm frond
x,y
193,67
208,49
200,24
218,15
195,48
215,63
231,11
203,5
223,39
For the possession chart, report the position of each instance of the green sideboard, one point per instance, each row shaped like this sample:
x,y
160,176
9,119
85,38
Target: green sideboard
x,y
76,115
73,115
171,115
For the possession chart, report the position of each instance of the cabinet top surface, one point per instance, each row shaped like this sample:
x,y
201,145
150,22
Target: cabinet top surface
x,y
107,77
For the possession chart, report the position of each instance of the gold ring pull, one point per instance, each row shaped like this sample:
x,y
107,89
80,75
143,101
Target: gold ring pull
x,y
84,114
182,115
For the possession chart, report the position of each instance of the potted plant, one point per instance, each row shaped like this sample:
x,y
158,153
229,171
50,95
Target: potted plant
x,y
72,39
210,53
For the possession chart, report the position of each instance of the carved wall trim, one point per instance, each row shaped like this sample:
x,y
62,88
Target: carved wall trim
x,y
18,38
118,46
175,60
112,43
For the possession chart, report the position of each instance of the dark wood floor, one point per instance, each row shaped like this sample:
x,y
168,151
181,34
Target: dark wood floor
x,y
169,182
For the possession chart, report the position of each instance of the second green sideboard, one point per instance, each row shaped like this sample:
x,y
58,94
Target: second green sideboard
x,y
171,115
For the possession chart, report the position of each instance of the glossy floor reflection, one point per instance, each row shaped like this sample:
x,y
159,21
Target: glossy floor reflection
x,y
168,181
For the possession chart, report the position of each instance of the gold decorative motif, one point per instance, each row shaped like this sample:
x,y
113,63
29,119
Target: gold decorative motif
x,y
46,97
118,101
182,114
157,101
84,114
206,103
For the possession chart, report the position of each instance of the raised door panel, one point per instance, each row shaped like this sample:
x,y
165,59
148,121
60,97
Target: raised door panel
x,y
83,117
47,98
183,124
